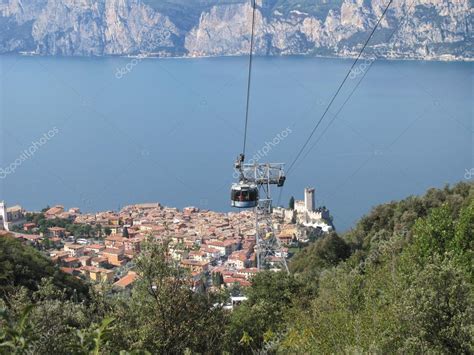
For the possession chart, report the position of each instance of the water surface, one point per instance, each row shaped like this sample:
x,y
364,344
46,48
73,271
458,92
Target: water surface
x,y
168,130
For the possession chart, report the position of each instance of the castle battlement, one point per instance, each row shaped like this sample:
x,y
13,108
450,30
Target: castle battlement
x,y
306,213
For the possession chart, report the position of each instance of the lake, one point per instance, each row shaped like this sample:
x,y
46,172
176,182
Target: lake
x,y
101,133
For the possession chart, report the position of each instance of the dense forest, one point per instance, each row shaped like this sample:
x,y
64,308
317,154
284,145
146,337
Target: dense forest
x,y
401,281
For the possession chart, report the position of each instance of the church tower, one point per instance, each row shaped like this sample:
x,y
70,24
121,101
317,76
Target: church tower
x,y
3,215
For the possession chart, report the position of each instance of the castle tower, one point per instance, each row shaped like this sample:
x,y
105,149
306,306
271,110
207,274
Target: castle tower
x,y
3,215
309,199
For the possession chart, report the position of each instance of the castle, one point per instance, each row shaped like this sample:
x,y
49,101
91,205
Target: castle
x,y
306,213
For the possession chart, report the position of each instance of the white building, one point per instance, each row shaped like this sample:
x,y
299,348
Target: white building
x,y
3,216
10,216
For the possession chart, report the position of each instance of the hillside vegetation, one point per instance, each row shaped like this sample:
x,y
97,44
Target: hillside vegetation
x,y
24,267
399,282
406,286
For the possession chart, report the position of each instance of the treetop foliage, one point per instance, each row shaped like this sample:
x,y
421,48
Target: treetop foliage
x,y
401,281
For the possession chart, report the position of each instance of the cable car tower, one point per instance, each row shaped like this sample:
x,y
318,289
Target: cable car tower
x,y
254,190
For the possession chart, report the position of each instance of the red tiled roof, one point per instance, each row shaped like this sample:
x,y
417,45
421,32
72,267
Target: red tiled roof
x,y
30,237
194,262
95,246
57,229
112,251
70,259
126,280
238,256
55,210
74,246
242,282
67,270
116,238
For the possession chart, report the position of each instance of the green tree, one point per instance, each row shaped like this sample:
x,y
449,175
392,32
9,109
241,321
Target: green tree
x,y
46,243
435,233
291,203
98,230
462,244
323,253
217,279
163,315
15,337
269,298
405,285
93,340
22,265
125,232
437,310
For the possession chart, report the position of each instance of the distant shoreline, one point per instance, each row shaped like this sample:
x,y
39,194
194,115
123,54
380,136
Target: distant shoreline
x,y
151,56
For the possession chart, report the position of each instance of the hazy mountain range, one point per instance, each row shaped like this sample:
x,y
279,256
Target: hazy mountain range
x,y
425,29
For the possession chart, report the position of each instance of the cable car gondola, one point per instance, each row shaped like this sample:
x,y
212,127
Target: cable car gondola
x,y
244,195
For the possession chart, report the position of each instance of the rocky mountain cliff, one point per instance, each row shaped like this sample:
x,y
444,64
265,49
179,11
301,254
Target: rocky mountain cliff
x,y
425,29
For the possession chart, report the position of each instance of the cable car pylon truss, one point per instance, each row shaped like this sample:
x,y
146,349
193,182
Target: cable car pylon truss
x,y
254,188
268,248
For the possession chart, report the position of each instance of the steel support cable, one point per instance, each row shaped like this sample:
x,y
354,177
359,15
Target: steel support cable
x,y
356,87
332,120
249,80
337,113
340,87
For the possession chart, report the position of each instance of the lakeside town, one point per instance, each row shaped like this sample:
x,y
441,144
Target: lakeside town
x,y
217,248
